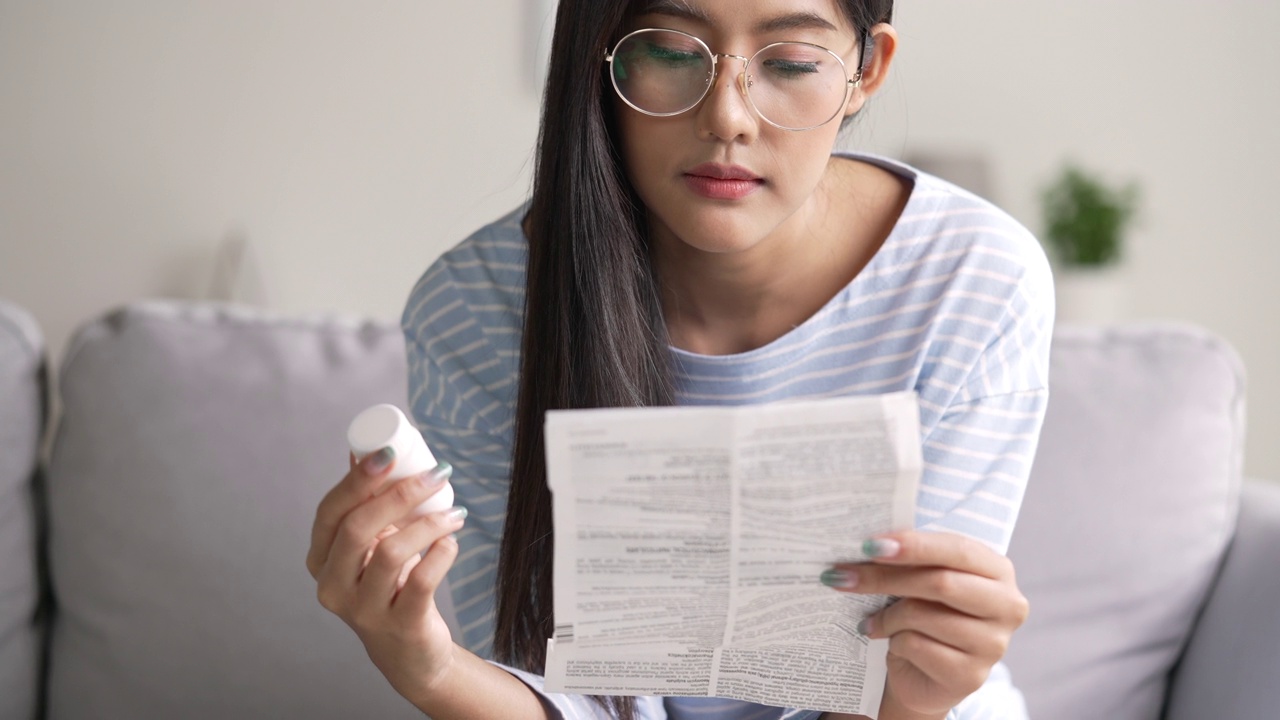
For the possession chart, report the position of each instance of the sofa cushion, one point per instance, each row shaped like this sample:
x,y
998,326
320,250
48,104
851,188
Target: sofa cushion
x,y
1131,503
1232,663
195,444
22,416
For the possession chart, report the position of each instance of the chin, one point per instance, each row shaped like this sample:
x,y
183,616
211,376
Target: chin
x,y
713,227
733,228
720,239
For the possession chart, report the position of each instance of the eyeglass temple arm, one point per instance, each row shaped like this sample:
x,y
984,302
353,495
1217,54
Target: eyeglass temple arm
x,y
868,47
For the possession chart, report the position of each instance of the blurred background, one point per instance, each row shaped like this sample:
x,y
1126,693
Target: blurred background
x,y
315,155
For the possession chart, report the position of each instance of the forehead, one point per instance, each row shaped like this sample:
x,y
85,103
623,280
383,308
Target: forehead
x,y
756,16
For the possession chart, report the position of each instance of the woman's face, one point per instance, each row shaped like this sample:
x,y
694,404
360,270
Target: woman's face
x,y
673,162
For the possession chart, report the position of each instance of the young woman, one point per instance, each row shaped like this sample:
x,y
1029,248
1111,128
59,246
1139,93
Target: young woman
x,y
692,238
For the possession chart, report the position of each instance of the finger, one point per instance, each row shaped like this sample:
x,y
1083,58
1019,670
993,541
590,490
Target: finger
x,y
380,580
419,590
358,529
408,567
966,633
938,549
945,665
965,592
359,484
386,532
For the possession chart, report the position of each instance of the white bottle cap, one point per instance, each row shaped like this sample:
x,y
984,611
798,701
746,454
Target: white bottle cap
x,y
385,425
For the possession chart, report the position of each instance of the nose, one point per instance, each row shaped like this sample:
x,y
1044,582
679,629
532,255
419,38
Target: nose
x,y
725,113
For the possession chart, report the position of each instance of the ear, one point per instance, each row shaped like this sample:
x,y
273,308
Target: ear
x,y
884,39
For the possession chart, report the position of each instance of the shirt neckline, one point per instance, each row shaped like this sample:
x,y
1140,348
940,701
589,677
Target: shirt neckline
x,y
901,170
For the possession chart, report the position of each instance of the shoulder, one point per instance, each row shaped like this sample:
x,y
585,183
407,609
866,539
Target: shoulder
x,y
463,323
951,246
484,275
979,279
949,226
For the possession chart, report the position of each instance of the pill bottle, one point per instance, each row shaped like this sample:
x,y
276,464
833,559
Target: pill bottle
x,y
385,425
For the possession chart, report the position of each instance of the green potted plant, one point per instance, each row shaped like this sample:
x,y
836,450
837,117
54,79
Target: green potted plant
x,y
1085,223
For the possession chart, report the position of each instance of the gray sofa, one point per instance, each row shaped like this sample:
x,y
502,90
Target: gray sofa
x,y
166,532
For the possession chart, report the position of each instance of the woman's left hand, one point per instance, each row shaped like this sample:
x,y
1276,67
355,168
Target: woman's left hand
x,y
960,605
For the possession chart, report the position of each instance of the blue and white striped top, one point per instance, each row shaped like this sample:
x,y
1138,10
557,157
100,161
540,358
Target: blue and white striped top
x,y
957,305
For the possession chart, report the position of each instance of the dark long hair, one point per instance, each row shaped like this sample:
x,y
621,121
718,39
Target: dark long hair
x,y
594,334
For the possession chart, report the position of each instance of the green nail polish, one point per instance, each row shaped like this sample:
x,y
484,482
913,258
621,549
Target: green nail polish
x,y
379,461
837,578
881,548
867,626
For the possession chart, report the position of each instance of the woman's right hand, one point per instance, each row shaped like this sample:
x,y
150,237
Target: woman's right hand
x,y
369,573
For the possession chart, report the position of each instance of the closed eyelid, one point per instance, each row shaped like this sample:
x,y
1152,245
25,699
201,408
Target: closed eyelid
x,y
747,52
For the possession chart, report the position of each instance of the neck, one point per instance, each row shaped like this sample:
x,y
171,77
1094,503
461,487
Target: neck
x,y
733,302
728,303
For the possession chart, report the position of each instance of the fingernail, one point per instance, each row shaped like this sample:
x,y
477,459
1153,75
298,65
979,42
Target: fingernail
x,y
837,578
881,547
377,463
436,475
455,513
867,626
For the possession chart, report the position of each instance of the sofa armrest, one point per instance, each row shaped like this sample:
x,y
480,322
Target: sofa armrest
x,y
1232,662
23,408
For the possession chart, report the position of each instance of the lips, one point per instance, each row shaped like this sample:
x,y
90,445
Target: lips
x,y
722,182
717,171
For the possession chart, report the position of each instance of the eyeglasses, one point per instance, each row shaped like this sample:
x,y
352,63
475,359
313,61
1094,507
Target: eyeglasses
x,y
791,85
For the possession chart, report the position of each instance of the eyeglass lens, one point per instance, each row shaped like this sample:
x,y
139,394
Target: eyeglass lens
x,y
792,85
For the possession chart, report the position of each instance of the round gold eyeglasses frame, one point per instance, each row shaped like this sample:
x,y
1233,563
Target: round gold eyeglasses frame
x,y
744,80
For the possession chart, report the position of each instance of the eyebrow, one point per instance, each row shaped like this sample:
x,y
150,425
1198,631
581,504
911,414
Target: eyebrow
x,y
803,20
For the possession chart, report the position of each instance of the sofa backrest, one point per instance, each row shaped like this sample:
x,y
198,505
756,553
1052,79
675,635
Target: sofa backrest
x,y
22,417
1132,501
197,440
194,446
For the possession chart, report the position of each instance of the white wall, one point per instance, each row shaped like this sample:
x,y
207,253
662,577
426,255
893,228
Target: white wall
x,y
1181,96
352,142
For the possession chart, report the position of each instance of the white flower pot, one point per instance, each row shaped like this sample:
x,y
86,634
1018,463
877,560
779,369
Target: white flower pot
x,y
1091,295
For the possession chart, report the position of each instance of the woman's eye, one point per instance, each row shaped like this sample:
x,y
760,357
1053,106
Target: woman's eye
x,y
791,68
674,56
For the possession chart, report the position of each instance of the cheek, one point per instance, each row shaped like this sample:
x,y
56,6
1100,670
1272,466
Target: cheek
x,y
804,157
632,144
645,151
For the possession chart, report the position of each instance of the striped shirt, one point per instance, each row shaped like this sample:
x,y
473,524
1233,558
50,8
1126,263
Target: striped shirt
x,y
957,305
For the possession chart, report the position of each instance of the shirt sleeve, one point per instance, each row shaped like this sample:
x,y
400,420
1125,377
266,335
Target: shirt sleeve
x,y
997,699
977,460
477,444
713,708
479,451
979,444
983,401
581,707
